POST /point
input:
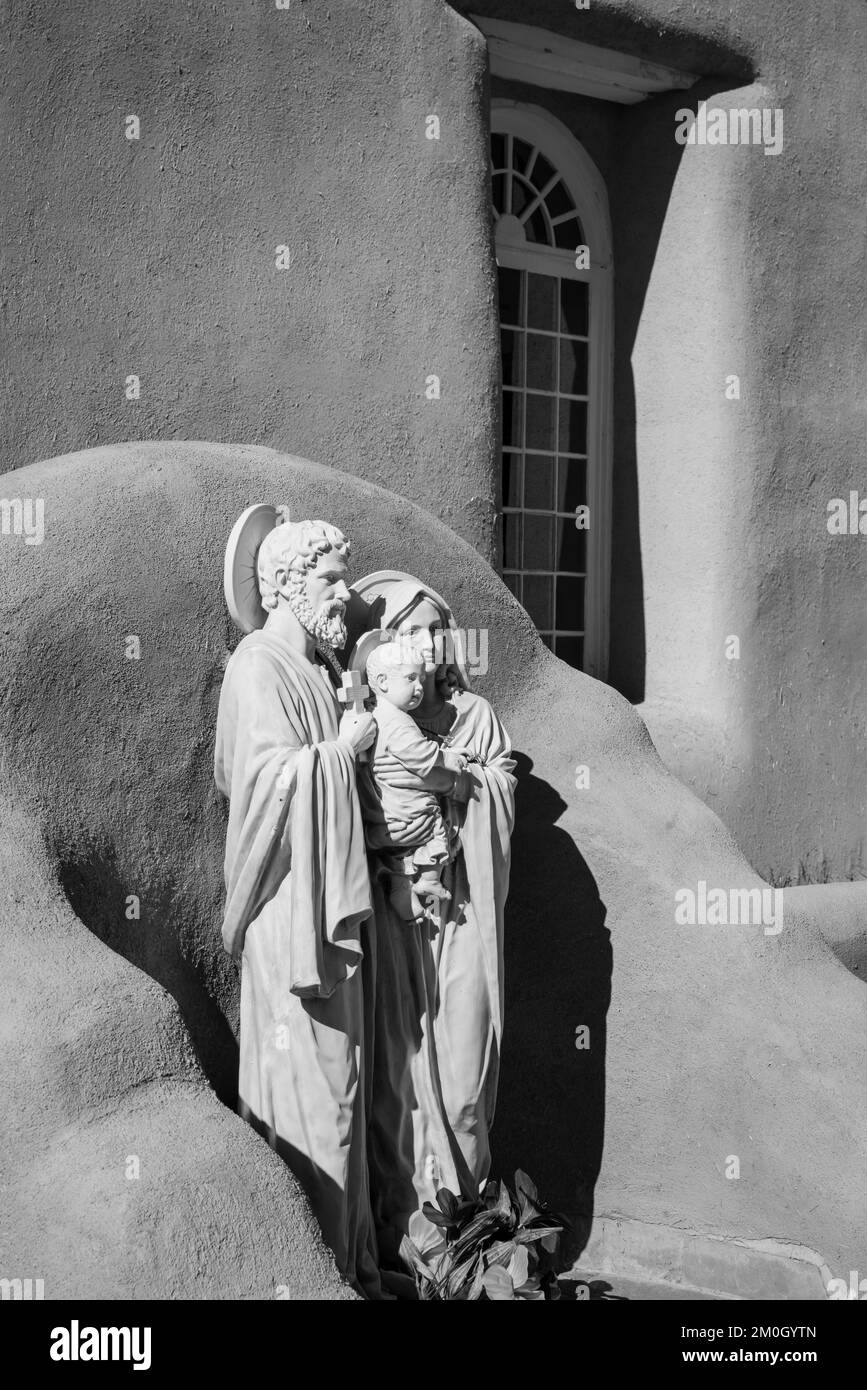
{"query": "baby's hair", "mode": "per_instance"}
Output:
(392, 656)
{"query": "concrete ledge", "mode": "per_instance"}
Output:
(727, 1267)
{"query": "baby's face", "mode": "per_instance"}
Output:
(402, 686)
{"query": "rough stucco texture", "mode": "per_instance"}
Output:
(719, 1040)
(260, 127)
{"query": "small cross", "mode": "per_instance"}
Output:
(353, 692)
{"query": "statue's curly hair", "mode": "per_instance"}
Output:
(391, 655)
(295, 546)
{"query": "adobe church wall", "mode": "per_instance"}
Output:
(260, 127)
(732, 493)
(720, 501)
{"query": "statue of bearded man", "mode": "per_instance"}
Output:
(297, 887)
(305, 563)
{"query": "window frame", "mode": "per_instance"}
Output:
(586, 186)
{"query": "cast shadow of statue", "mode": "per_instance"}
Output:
(550, 1115)
(152, 940)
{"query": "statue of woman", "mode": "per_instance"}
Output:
(434, 988)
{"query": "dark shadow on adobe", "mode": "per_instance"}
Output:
(550, 1117)
(152, 942)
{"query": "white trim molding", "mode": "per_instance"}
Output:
(587, 188)
(525, 53)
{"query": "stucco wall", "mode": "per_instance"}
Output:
(260, 127)
(729, 261)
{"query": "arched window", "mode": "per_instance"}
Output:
(556, 340)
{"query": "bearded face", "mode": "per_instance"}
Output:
(325, 622)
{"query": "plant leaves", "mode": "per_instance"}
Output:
(448, 1203)
(477, 1286)
(424, 1277)
(497, 1284)
(524, 1186)
(504, 1203)
(529, 1294)
(529, 1235)
(437, 1218)
(500, 1253)
(519, 1267)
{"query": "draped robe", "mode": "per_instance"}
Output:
(437, 1009)
(297, 894)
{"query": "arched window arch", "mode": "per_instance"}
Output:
(556, 324)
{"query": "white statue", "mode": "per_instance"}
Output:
(435, 986)
(297, 887)
(341, 949)
(404, 787)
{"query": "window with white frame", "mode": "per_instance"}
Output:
(556, 341)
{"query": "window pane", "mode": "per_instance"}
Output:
(573, 427)
(570, 603)
(573, 306)
(538, 542)
(573, 367)
(541, 370)
(541, 421)
(541, 302)
(539, 479)
(498, 192)
(498, 151)
(511, 480)
(510, 295)
(511, 542)
(571, 650)
(572, 549)
(521, 152)
(538, 599)
(543, 172)
(537, 228)
(522, 196)
(569, 235)
(511, 349)
(572, 485)
(558, 200)
(513, 403)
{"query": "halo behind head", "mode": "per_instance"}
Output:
(240, 582)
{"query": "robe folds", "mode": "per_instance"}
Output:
(436, 998)
(297, 900)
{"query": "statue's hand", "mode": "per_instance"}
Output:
(357, 729)
(465, 787)
(455, 759)
(448, 680)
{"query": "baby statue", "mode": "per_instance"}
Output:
(401, 786)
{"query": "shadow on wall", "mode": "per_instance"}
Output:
(153, 942)
(551, 1108)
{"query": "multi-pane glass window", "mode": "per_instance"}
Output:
(544, 319)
